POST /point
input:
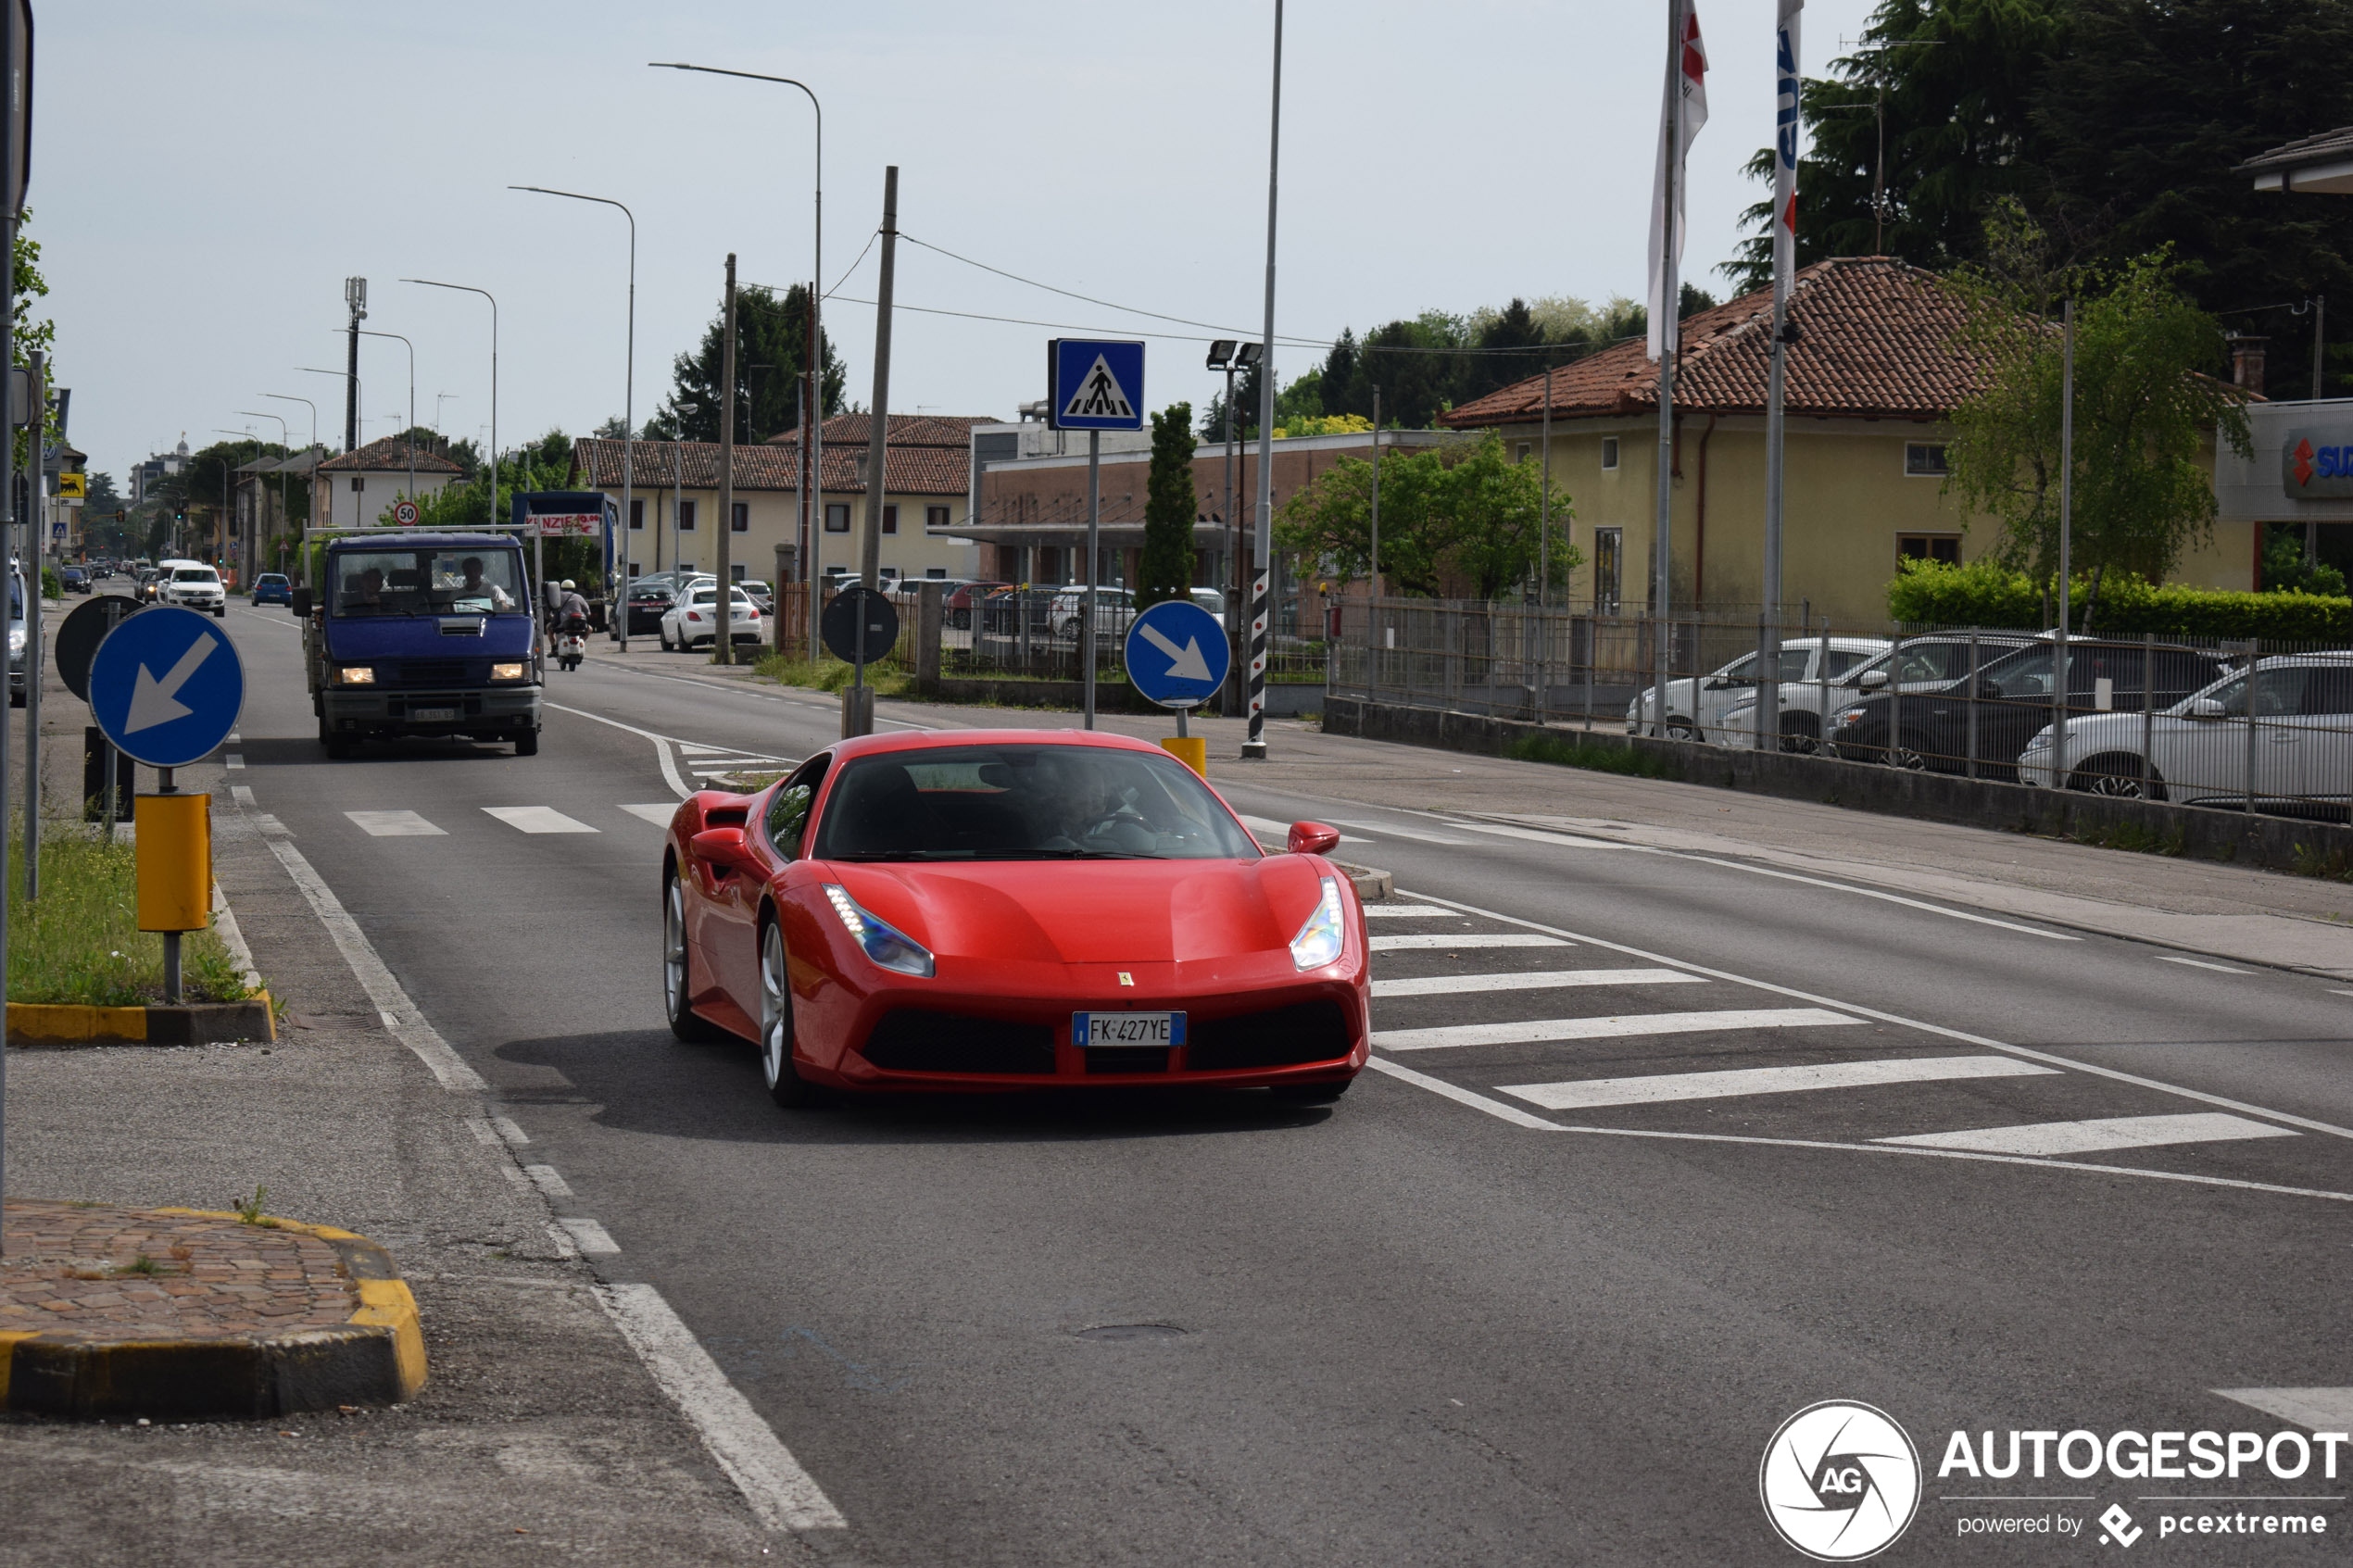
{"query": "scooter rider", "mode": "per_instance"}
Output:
(568, 606)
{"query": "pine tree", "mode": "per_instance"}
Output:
(1166, 571)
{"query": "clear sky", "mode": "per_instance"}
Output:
(207, 172)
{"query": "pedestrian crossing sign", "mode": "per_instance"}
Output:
(1093, 383)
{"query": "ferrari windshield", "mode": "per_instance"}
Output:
(1025, 803)
(425, 582)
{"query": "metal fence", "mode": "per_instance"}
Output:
(2261, 726)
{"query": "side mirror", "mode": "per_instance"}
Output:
(723, 848)
(301, 604)
(1872, 679)
(2206, 708)
(1312, 838)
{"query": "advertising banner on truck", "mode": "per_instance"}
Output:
(578, 514)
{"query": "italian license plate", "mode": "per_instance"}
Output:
(432, 715)
(1126, 1029)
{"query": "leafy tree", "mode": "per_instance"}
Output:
(542, 464)
(2144, 400)
(30, 336)
(1166, 569)
(2286, 572)
(772, 356)
(1465, 511)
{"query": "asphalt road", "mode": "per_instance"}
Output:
(1539, 1291)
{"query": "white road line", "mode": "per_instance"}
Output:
(1537, 836)
(687, 748)
(224, 925)
(2025, 1053)
(1409, 942)
(661, 743)
(548, 1179)
(2108, 1132)
(1406, 911)
(2323, 1410)
(591, 1238)
(1456, 1092)
(1265, 827)
(1541, 979)
(1392, 829)
(232, 760)
(2201, 963)
(658, 814)
(537, 818)
(242, 794)
(1660, 1087)
(506, 1128)
(408, 1025)
(395, 825)
(781, 1493)
(1613, 1026)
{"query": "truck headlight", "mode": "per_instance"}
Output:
(1320, 940)
(505, 671)
(356, 676)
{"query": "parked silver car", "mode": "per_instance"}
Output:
(1702, 707)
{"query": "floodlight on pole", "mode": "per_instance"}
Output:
(1221, 353)
(366, 332)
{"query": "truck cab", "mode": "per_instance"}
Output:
(415, 634)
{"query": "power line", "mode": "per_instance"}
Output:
(1108, 304)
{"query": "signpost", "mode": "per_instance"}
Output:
(77, 639)
(859, 627)
(1093, 384)
(1177, 657)
(166, 687)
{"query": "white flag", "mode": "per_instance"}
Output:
(1686, 103)
(1785, 147)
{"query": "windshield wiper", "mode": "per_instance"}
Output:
(902, 855)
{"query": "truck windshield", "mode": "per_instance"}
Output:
(426, 581)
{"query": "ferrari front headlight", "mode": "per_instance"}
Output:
(1320, 940)
(882, 942)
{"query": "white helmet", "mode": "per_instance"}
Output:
(569, 585)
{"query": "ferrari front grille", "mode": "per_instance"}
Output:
(919, 1040)
(1287, 1037)
(1127, 1059)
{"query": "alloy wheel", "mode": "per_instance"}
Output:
(775, 1018)
(673, 950)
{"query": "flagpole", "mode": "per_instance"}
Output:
(1663, 328)
(1769, 688)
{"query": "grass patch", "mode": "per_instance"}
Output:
(831, 674)
(2135, 839)
(79, 941)
(1593, 756)
(2330, 865)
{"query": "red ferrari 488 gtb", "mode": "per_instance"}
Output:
(986, 910)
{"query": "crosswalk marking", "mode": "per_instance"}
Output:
(1541, 979)
(395, 825)
(1589, 1093)
(1453, 940)
(1614, 1026)
(687, 748)
(1266, 827)
(1401, 911)
(2323, 1410)
(2086, 1137)
(658, 813)
(537, 818)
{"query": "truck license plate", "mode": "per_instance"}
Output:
(1126, 1029)
(432, 715)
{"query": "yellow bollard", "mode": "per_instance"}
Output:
(175, 861)
(1191, 750)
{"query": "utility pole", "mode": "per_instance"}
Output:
(355, 297)
(1669, 341)
(1262, 545)
(2066, 528)
(723, 647)
(1785, 89)
(858, 699)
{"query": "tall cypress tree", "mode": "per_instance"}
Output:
(1166, 571)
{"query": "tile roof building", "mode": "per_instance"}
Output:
(356, 489)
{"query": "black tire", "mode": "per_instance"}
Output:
(1309, 1094)
(2116, 776)
(1906, 754)
(221, 612)
(527, 744)
(1681, 729)
(785, 1086)
(676, 960)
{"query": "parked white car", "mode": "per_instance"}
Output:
(1115, 609)
(2199, 750)
(692, 620)
(1702, 708)
(192, 585)
(1920, 664)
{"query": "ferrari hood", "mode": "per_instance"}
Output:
(1093, 911)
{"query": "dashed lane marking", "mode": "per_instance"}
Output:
(591, 1238)
(1409, 911)
(1391, 830)
(2102, 1132)
(2201, 963)
(1614, 1026)
(1588, 1094)
(1409, 942)
(537, 818)
(395, 825)
(1539, 980)
(659, 813)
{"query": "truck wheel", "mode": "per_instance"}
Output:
(527, 744)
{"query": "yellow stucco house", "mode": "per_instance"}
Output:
(1870, 381)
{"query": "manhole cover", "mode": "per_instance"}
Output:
(1133, 1331)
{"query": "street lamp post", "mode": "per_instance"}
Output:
(329, 522)
(285, 438)
(1261, 617)
(814, 450)
(490, 514)
(620, 592)
(366, 332)
(312, 454)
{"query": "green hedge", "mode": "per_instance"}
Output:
(1984, 594)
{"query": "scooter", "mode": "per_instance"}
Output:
(572, 641)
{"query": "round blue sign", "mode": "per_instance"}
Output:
(167, 687)
(1176, 654)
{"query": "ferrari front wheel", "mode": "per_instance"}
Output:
(684, 1023)
(785, 1086)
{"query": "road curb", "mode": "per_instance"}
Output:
(1371, 886)
(56, 1026)
(377, 1358)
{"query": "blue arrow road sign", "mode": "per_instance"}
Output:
(1095, 384)
(1176, 654)
(167, 687)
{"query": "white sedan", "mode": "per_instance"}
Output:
(692, 620)
(1698, 709)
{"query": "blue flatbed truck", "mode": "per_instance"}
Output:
(408, 633)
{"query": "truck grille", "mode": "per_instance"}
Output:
(432, 671)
